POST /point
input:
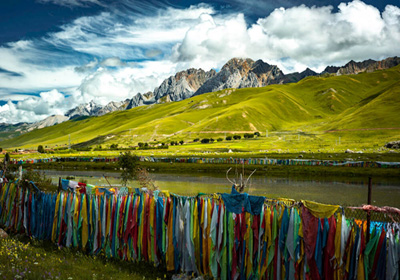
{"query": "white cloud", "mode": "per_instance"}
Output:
(72, 3)
(112, 62)
(107, 85)
(35, 108)
(308, 36)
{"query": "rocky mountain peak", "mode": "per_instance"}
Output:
(182, 85)
(243, 73)
(241, 64)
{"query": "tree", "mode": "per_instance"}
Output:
(114, 146)
(1, 150)
(196, 140)
(236, 137)
(7, 158)
(228, 138)
(219, 140)
(140, 144)
(127, 162)
(40, 149)
(205, 140)
(257, 134)
(181, 142)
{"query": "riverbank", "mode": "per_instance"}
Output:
(218, 168)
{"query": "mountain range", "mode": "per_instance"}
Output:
(359, 107)
(235, 74)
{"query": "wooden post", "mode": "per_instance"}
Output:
(59, 184)
(368, 212)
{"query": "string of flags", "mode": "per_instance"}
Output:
(228, 160)
(226, 236)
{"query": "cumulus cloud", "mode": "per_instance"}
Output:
(35, 108)
(107, 85)
(306, 36)
(102, 86)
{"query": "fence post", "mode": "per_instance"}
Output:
(59, 184)
(368, 212)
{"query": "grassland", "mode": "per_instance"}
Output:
(24, 258)
(318, 113)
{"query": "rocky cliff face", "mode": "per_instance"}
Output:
(93, 109)
(49, 121)
(112, 106)
(243, 73)
(183, 85)
(141, 99)
(88, 109)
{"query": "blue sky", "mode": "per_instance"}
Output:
(57, 54)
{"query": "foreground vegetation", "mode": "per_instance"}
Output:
(24, 258)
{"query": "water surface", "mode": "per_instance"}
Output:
(333, 190)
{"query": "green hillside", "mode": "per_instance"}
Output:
(313, 105)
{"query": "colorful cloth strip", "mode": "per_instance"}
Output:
(229, 236)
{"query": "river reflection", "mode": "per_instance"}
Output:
(333, 190)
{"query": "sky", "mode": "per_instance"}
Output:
(57, 54)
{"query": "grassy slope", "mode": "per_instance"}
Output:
(367, 100)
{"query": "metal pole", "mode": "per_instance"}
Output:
(368, 212)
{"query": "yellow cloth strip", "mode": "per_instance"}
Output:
(320, 210)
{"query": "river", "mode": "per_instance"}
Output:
(332, 190)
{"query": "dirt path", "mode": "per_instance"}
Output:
(362, 129)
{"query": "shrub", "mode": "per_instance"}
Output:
(228, 138)
(248, 135)
(40, 149)
(205, 140)
(219, 140)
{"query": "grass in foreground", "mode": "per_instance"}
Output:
(23, 258)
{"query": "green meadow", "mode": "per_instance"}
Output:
(317, 114)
